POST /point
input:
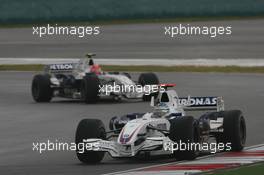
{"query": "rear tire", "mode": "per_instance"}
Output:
(184, 129)
(148, 79)
(90, 128)
(234, 130)
(40, 88)
(90, 88)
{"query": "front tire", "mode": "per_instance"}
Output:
(90, 128)
(40, 88)
(148, 79)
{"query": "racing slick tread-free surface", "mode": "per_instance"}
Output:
(234, 129)
(184, 130)
(90, 88)
(89, 128)
(41, 90)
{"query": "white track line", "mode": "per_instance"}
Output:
(151, 166)
(163, 62)
(254, 147)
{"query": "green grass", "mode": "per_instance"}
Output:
(150, 68)
(185, 69)
(256, 169)
(24, 67)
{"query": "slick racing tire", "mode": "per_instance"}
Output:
(89, 128)
(234, 130)
(148, 79)
(90, 88)
(184, 130)
(40, 88)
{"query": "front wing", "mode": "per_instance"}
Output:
(127, 150)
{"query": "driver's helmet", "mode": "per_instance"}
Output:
(91, 62)
(94, 68)
(161, 109)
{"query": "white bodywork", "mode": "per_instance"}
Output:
(80, 69)
(119, 80)
(125, 145)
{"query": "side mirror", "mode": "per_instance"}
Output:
(152, 101)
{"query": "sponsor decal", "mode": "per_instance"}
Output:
(61, 67)
(126, 135)
(198, 101)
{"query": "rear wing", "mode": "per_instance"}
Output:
(59, 68)
(202, 103)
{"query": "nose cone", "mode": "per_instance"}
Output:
(129, 133)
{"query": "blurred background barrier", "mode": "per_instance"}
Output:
(28, 11)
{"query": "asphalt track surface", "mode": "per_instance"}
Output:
(23, 121)
(139, 41)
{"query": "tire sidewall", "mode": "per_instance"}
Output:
(40, 88)
(90, 128)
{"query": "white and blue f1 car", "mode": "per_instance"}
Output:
(154, 132)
